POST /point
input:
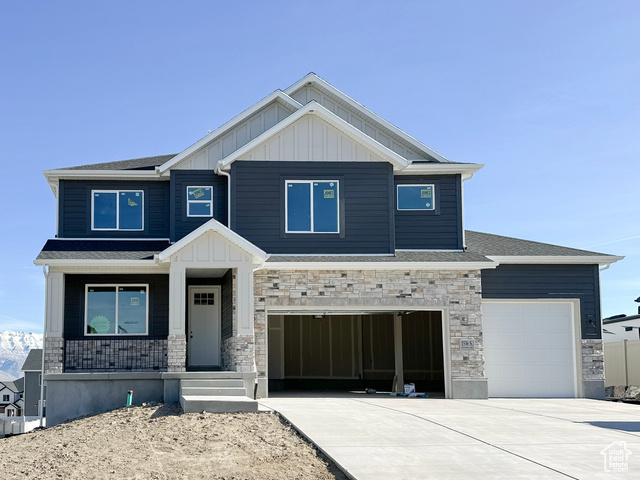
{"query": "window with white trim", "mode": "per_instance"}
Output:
(416, 197)
(117, 210)
(5, 398)
(200, 201)
(116, 309)
(312, 206)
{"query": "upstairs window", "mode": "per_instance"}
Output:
(117, 209)
(5, 398)
(312, 206)
(416, 197)
(116, 309)
(200, 201)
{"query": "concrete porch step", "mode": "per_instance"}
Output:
(217, 404)
(213, 382)
(214, 390)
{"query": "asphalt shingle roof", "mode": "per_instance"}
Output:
(145, 163)
(479, 246)
(102, 249)
(33, 360)
(489, 244)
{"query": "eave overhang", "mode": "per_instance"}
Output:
(555, 260)
(373, 265)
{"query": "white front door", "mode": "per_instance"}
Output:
(204, 326)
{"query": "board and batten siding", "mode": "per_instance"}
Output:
(363, 123)
(439, 229)
(181, 224)
(258, 206)
(74, 303)
(75, 209)
(311, 138)
(549, 282)
(208, 156)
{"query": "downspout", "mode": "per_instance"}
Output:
(44, 338)
(219, 171)
(464, 233)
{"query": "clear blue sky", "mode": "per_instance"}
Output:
(546, 94)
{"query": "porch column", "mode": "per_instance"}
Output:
(397, 343)
(244, 305)
(54, 321)
(177, 339)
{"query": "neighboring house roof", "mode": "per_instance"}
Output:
(11, 385)
(626, 318)
(145, 163)
(33, 362)
(60, 249)
(515, 250)
(19, 383)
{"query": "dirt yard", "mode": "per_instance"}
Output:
(159, 442)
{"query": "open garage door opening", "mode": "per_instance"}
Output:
(354, 352)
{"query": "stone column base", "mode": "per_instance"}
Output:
(177, 353)
(593, 389)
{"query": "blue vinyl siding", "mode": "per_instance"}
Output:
(365, 204)
(181, 224)
(75, 209)
(549, 282)
(74, 303)
(438, 229)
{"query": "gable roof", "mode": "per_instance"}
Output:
(311, 79)
(515, 250)
(11, 385)
(314, 108)
(33, 362)
(278, 95)
(214, 226)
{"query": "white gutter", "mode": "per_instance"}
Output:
(557, 260)
(464, 232)
(219, 171)
(101, 174)
(378, 265)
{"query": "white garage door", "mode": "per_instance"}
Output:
(529, 349)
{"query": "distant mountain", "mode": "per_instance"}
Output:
(14, 348)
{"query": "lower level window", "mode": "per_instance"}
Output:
(117, 309)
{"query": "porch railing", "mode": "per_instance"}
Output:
(116, 355)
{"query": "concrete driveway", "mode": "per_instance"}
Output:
(379, 437)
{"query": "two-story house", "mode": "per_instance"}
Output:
(11, 403)
(306, 243)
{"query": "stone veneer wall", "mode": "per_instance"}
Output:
(177, 353)
(53, 354)
(459, 291)
(238, 354)
(115, 355)
(592, 359)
